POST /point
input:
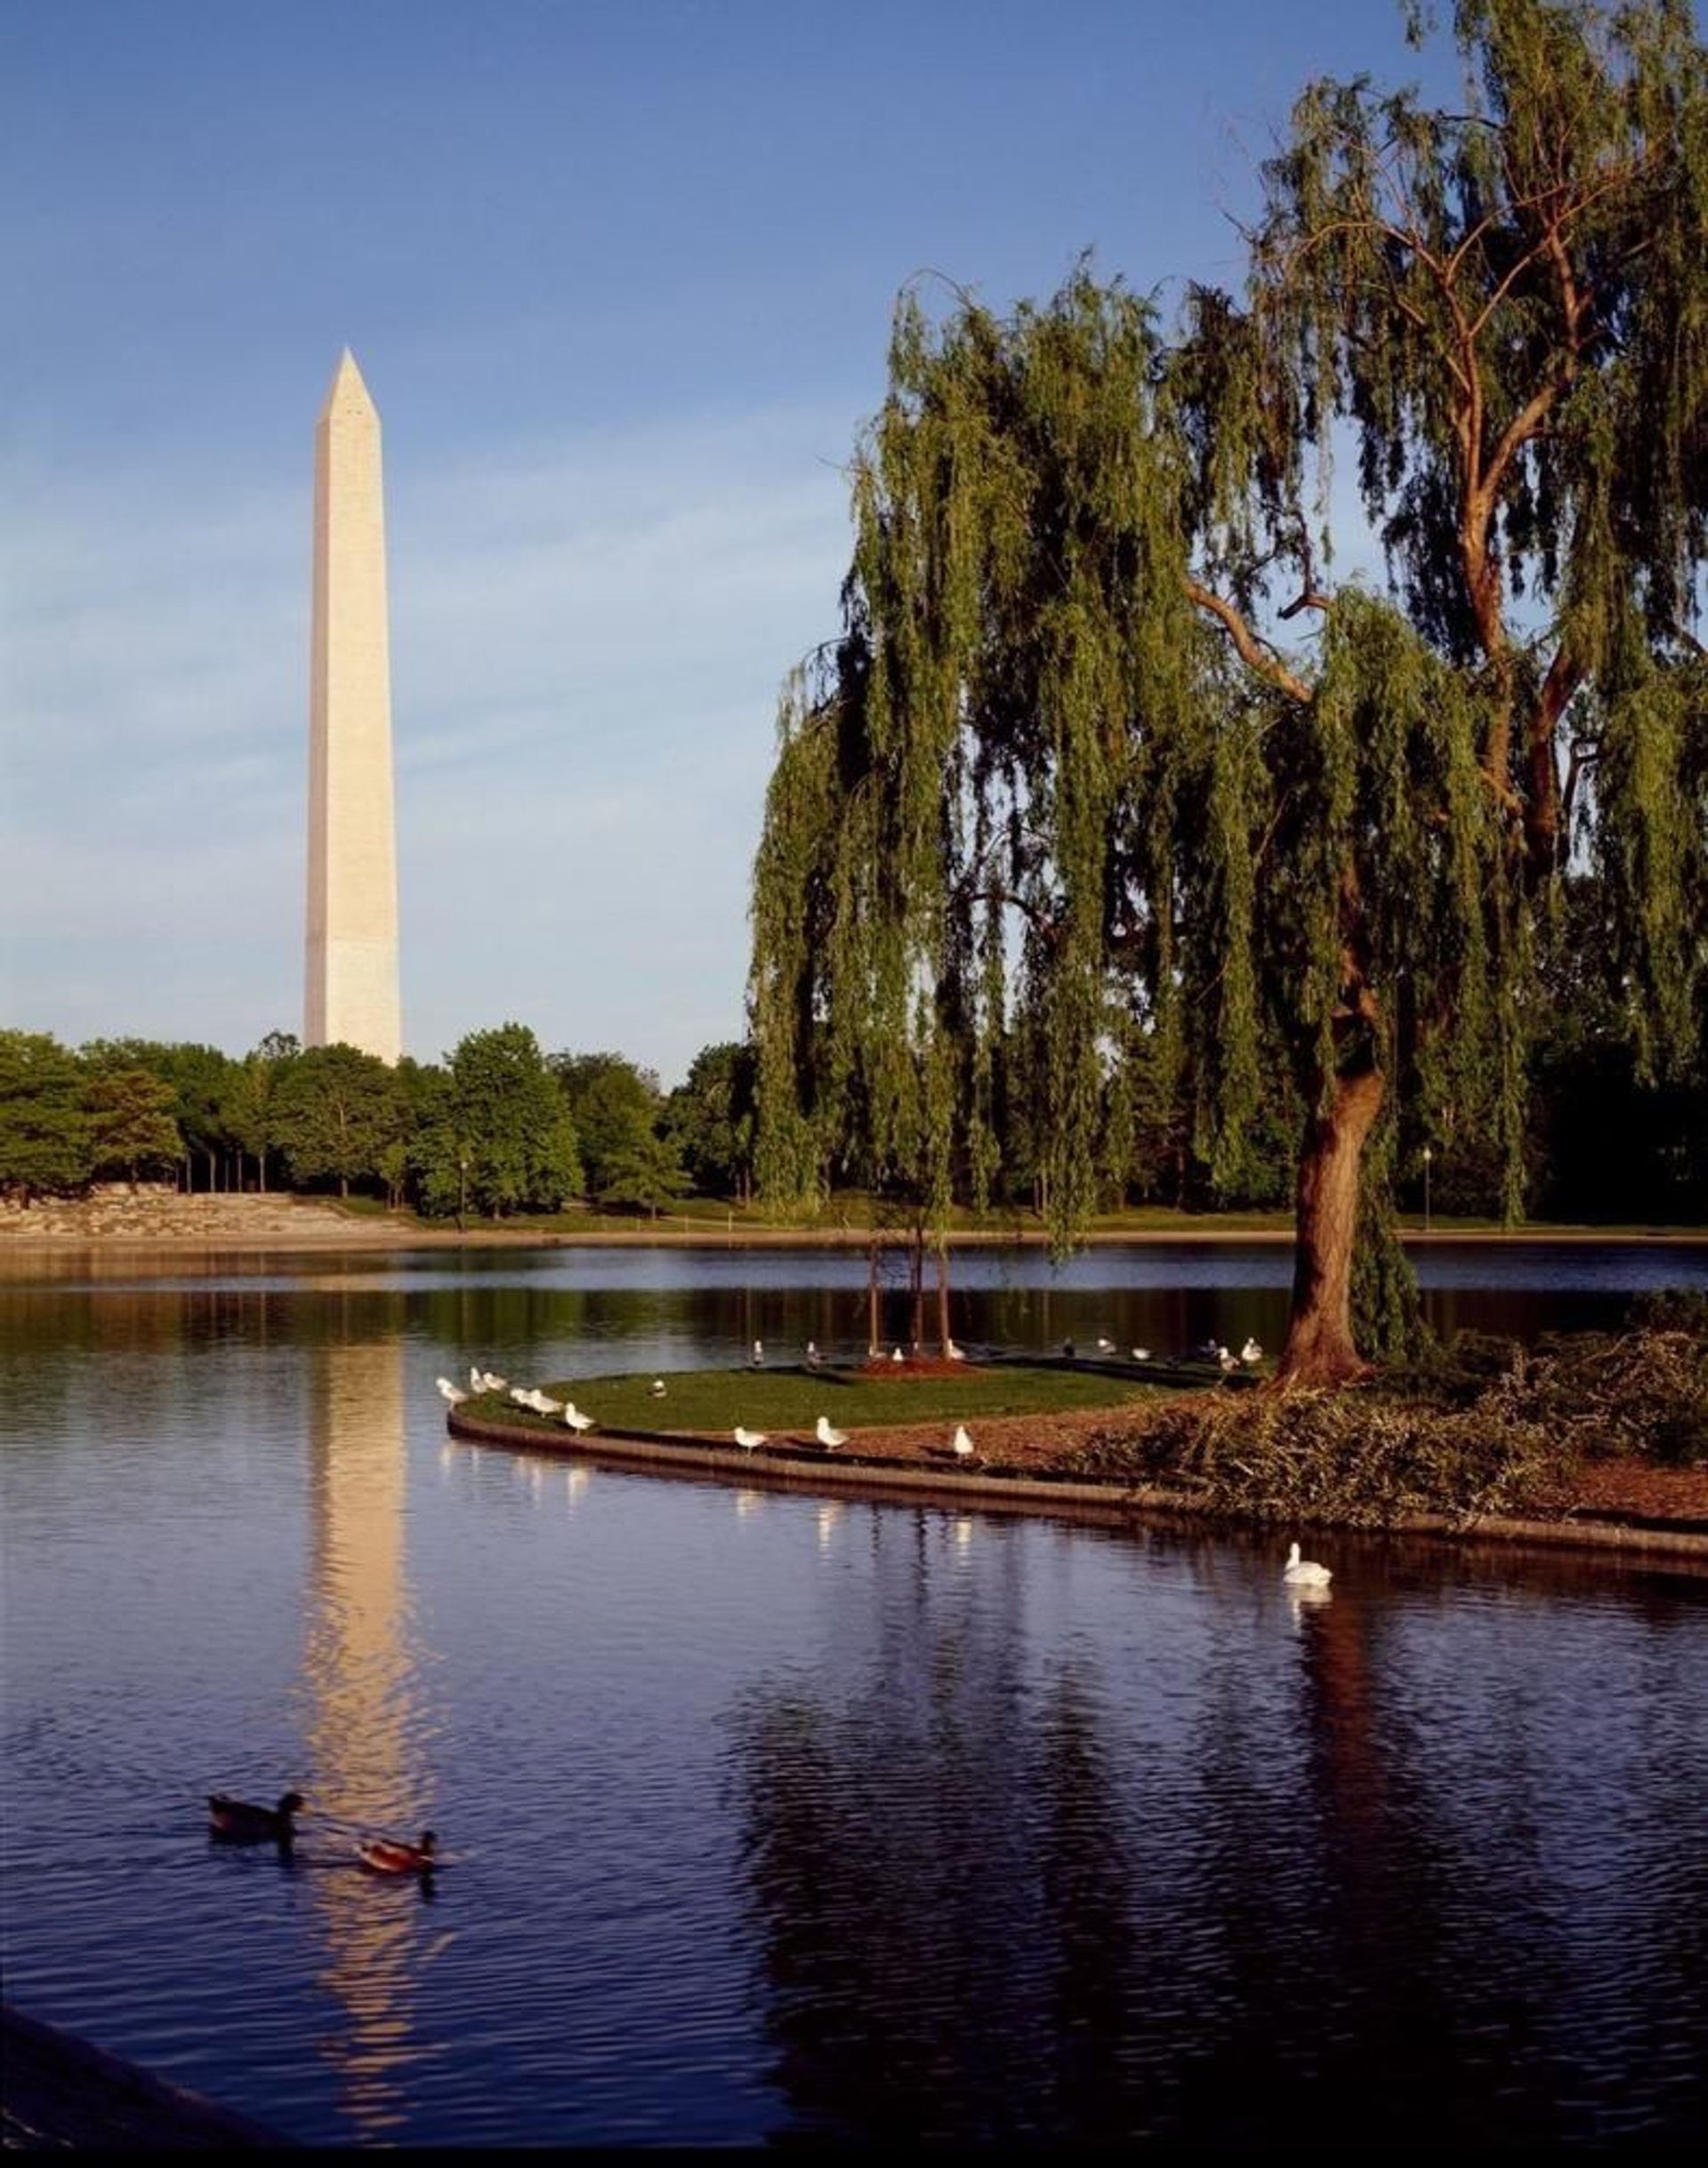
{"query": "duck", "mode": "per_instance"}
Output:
(391, 1856)
(828, 1435)
(239, 1817)
(1304, 1573)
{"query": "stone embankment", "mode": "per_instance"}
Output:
(114, 1212)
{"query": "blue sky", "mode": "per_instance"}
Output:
(618, 274)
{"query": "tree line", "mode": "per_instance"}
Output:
(499, 1127)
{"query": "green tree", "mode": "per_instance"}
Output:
(495, 1136)
(130, 1124)
(45, 1142)
(338, 1109)
(646, 1171)
(711, 1116)
(249, 1112)
(614, 1105)
(1062, 766)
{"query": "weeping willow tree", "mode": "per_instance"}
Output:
(1107, 761)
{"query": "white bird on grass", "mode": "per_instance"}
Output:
(827, 1435)
(813, 1356)
(748, 1439)
(477, 1379)
(759, 1354)
(523, 1395)
(490, 1381)
(1251, 1352)
(575, 1420)
(1105, 1347)
(1227, 1361)
(898, 1356)
(962, 1444)
(656, 1389)
(955, 1354)
(545, 1404)
(1304, 1573)
(453, 1394)
(1142, 1355)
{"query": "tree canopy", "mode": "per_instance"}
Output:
(1108, 771)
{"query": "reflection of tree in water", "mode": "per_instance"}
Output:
(936, 1872)
(1310, 1877)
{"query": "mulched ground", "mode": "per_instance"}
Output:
(1044, 1443)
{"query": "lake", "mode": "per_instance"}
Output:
(771, 1818)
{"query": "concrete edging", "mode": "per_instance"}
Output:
(692, 1456)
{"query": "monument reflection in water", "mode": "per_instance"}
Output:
(364, 1723)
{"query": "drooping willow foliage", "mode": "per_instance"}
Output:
(1104, 770)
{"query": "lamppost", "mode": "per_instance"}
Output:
(462, 1189)
(1427, 1155)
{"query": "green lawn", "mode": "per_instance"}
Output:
(789, 1402)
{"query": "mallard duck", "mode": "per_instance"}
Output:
(391, 1856)
(237, 1817)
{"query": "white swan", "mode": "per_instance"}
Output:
(961, 1443)
(748, 1439)
(1304, 1573)
(827, 1435)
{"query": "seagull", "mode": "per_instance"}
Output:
(656, 1389)
(575, 1420)
(1142, 1355)
(452, 1393)
(748, 1439)
(898, 1356)
(490, 1381)
(477, 1379)
(1105, 1347)
(962, 1444)
(759, 1354)
(1304, 1573)
(1251, 1352)
(828, 1435)
(955, 1354)
(813, 1356)
(545, 1404)
(1227, 1361)
(523, 1395)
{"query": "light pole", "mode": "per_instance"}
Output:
(1426, 1188)
(462, 1189)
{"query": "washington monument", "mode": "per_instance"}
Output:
(352, 945)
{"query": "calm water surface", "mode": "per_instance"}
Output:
(770, 1817)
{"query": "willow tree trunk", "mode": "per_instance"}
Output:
(1320, 1349)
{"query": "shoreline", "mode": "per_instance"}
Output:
(216, 1225)
(903, 1475)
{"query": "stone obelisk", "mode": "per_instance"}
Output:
(352, 947)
